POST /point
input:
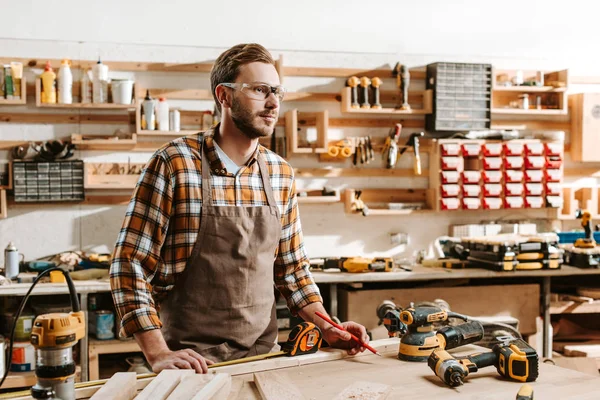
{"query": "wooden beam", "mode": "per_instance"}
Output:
(354, 172)
(121, 386)
(276, 386)
(164, 383)
(3, 206)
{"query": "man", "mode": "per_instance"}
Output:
(212, 224)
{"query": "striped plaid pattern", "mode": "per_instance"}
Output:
(163, 217)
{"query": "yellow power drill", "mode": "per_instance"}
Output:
(513, 358)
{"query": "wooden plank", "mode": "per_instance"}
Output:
(79, 118)
(276, 386)
(164, 384)
(3, 205)
(189, 386)
(582, 364)
(582, 350)
(365, 390)
(121, 386)
(218, 388)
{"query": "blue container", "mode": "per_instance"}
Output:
(103, 325)
(571, 237)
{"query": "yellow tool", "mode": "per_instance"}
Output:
(364, 84)
(513, 358)
(341, 148)
(360, 264)
(586, 222)
(584, 253)
(53, 336)
(525, 393)
(376, 83)
(353, 82)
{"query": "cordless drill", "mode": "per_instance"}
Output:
(513, 358)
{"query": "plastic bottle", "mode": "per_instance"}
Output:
(86, 86)
(148, 106)
(48, 85)
(162, 114)
(100, 83)
(65, 83)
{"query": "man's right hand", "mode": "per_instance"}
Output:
(160, 357)
(180, 359)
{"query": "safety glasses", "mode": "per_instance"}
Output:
(257, 91)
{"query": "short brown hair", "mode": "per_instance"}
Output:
(227, 66)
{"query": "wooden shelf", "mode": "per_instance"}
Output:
(21, 101)
(357, 172)
(111, 175)
(167, 133)
(574, 307)
(85, 142)
(19, 379)
(427, 96)
(529, 89)
(552, 95)
(531, 111)
(315, 197)
(375, 200)
(78, 106)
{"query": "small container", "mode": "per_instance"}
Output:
(471, 177)
(492, 176)
(174, 121)
(450, 149)
(513, 202)
(524, 101)
(450, 176)
(86, 87)
(514, 189)
(450, 190)
(451, 163)
(492, 190)
(11, 261)
(450, 203)
(122, 91)
(471, 190)
(23, 357)
(471, 203)
(493, 163)
(553, 175)
(162, 114)
(492, 149)
(534, 175)
(102, 325)
(534, 202)
(492, 203)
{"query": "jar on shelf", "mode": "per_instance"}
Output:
(524, 101)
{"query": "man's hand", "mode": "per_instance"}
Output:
(342, 340)
(181, 359)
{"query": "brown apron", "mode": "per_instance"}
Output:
(223, 303)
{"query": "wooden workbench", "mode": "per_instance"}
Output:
(415, 380)
(330, 371)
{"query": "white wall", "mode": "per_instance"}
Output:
(524, 34)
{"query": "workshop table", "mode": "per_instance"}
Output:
(332, 280)
(415, 380)
(421, 273)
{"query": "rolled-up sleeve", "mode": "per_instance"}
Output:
(137, 255)
(292, 275)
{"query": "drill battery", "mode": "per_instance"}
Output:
(514, 252)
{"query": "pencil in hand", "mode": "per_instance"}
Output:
(356, 339)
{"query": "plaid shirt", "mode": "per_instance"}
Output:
(162, 221)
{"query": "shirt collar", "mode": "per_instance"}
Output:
(217, 166)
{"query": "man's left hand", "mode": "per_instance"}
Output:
(342, 340)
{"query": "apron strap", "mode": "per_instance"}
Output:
(262, 167)
(264, 174)
(206, 181)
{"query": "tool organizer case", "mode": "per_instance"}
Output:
(514, 252)
(461, 96)
(48, 181)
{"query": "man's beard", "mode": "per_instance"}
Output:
(244, 121)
